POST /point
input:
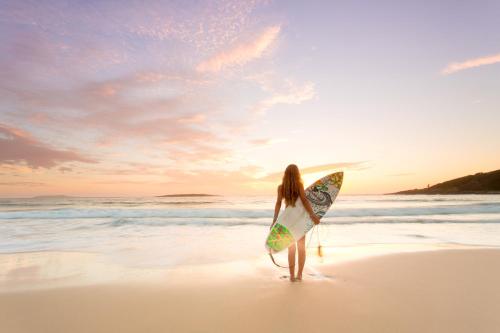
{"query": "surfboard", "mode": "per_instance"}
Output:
(294, 222)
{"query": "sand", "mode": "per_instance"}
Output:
(435, 291)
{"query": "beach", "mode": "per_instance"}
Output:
(427, 291)
(196, 264)
(158, 159)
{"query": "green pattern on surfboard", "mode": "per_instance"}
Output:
(280, 238)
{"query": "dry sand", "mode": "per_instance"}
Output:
(436, 291)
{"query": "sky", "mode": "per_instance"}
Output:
(139, 98)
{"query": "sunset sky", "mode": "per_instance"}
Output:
(132, 98)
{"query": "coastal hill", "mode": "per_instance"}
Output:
(186, 195)
(480, 183)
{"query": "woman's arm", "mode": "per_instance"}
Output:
(307, 205)
(277, 207)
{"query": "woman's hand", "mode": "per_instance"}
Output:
(315, 219)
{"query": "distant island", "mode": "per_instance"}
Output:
(480, 183)
(187, 195)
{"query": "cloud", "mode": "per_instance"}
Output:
(122, 111)
(403, 174)
(28, 184)
(294, 94)
(242, 53)
(126, 169)
(124, 181)
(123, 95)
(210, 181)
(17, 146)
(193, 119)
(282, 90)
(471, 63)
(206, 25)
(46, 81)
(276, 176)
(266, 141)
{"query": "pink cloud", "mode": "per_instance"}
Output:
(209, 25)
(276, 176)
(293, 93)
(52, 78)
(193, 119)
(199, 152)
(106, 108)
(471, 63)
(204, 25)
(266, 141)
(242, 53)
(210, 181)
(17, 146)
(28, 184)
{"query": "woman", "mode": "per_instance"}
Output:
(291, 189)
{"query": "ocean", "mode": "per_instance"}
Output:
(157, 232)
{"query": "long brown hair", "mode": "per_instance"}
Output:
(291, 184)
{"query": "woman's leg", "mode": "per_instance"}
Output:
(301, 244)
(291, 261)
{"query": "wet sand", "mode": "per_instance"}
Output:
(433, 291)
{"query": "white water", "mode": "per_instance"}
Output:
(153, 232)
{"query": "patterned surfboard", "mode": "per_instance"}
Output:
(294, 222)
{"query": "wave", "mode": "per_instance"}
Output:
(133, 213)
(264, 222)
(90, 212)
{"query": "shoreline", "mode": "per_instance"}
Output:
(39, 270)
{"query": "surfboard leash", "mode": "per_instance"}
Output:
(320, 248)
(274, 262)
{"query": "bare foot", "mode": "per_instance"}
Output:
(298, 278)
(292, 279)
